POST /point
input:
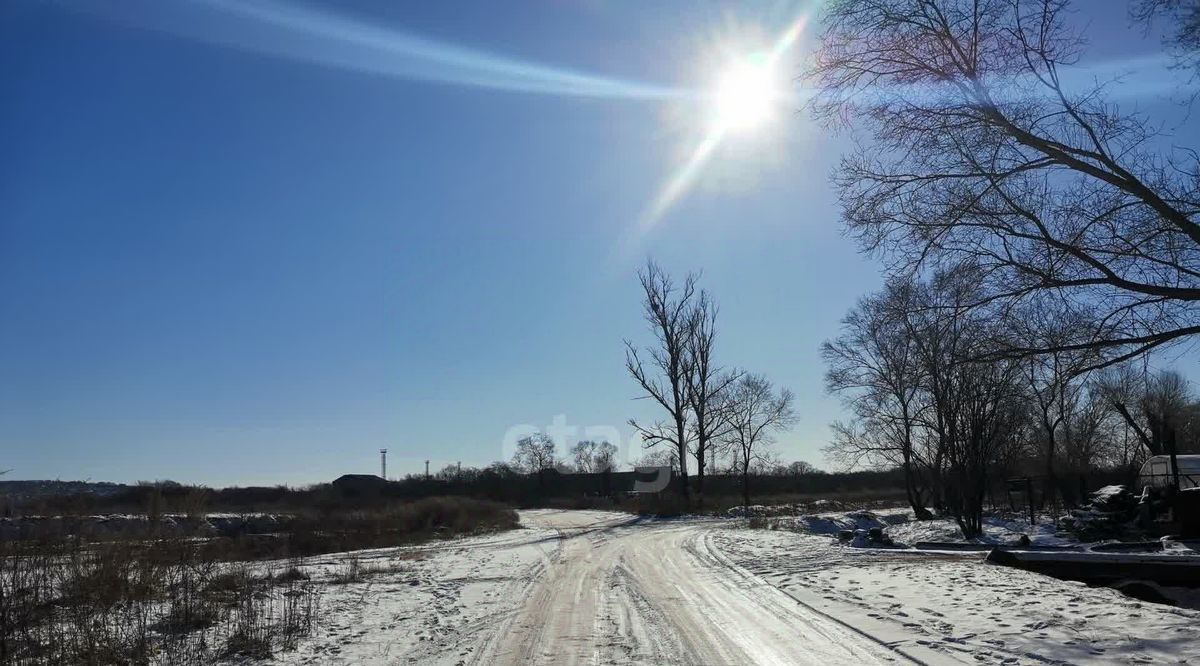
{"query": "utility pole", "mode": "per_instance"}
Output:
(383, 463)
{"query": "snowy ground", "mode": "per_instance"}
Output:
(996, 530)
(600, 588)
(956, 608)
(899, 524)
(436, 603)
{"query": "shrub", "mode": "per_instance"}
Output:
(173, 599)
(68, 601)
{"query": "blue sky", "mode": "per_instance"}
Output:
(232, 253)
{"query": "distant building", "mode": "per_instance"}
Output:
(359, 484)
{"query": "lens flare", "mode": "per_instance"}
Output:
(334, 38)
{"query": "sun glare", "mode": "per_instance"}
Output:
(745, 95)
(749, 92)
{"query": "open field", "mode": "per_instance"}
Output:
(592, 587)
(153, 589)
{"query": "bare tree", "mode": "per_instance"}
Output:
(707, 385)
(980, 153)
(1169, 409)
(1091, 435)
(604, 459)
(908, 365)
(659, 458)
(582, 455)
(1182, 18)
(1159, 408)
(592, 457)
(1055, 388)
(800, 468)
(756, 412)
(663, 373)
(873, 365)
(984, 417)
(453, 473)
(535, 454)
(975, 410)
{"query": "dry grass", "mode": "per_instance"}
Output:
(178, 600)
(135, 602)
(396, 525)
(354, 570)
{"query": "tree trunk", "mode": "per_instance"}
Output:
(746, 486)
(701, 458)
(914, 495)
(1051, 485)
(1148, 442)
(910, 483)
(680, 432)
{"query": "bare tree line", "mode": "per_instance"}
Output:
(536, 453)
(983, 148)
(1039, 241)
(709, 411)
(921, 398)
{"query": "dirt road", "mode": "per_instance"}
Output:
(617, 590)
(591, 587)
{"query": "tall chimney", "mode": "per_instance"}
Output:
(383, 463)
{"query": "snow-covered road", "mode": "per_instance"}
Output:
(588, 587)
(620, 591)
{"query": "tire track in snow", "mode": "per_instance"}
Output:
(655, 592)
(711, 551)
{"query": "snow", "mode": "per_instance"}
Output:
(1108, 492)
(1184, 548)
(821, 506)
(430, 604)
(954, 609)
(996, 530)
(598, 587)
(832, 523)
(901, 527)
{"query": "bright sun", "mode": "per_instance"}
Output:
(750, 92)
(745, 95)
